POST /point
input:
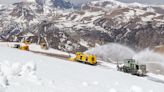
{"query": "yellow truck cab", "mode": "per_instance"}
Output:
(86, 58)
(26, 48)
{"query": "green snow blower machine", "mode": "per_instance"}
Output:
(132, 67)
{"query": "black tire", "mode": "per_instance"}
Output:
(125, 70)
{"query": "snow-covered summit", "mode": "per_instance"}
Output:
(108, 3)
(136, 4)
(115, 4)
(30, 1)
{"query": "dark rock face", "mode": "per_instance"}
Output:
(142, 38)
(21, 9)
(139, 38)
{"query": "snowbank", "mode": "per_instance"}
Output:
(37, 48)
(8, 70)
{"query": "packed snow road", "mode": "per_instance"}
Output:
(23, 71)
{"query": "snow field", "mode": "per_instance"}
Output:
(28, 72)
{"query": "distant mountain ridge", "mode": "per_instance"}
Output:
(95, 23)
(56, 3)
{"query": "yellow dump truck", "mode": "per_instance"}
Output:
(85, 58)
(26, 48)
(21, 47)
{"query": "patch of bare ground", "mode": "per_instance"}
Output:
(159, 49)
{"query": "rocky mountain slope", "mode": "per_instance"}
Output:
(96, 23)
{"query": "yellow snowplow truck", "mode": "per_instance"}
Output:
(85, 58)
(26, 48)
(21, 47)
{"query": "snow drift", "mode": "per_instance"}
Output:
(8, 70)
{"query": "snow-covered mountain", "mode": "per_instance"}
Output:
(30, 0)
(96, 23)
(64, 4)
(61, 4)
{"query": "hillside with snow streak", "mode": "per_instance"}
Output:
(23, 71)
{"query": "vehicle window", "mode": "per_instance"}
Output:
(93, 59)
(137, 67)
(81, 57)
(86, 58)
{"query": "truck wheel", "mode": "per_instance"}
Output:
(125, 70)
(139, 73)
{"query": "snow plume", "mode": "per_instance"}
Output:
(149, 56)
(112, 51)
(115, 52)
(153, 60)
